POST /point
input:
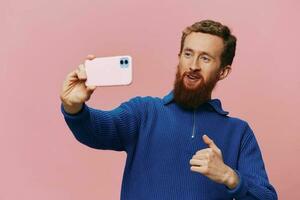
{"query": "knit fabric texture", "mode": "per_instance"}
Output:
(160, 137)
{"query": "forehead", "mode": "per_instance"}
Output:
(204, 42)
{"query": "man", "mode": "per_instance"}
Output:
(183, 146)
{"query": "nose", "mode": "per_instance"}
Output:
(194, 65)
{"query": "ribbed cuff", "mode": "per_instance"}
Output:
(241, 189)
(82, 113)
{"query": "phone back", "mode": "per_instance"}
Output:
(109, 71)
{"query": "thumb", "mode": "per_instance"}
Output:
(209, 142)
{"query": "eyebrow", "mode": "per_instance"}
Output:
(202, 52)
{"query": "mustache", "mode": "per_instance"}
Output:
(193, 74)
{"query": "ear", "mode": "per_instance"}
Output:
(224, 72)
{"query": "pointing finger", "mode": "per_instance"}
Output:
(210, 142)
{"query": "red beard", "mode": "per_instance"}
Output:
(192, 98)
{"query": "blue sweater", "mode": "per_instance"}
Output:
(160, 138)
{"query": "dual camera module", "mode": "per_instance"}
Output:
(124, 62)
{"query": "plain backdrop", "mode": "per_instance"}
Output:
(41, 41)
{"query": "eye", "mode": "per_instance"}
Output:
(187, 54)
(205, 59)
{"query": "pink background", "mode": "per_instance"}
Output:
(41, 41)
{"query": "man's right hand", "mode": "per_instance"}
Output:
(74, 91)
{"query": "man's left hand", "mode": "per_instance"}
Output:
(209, 162)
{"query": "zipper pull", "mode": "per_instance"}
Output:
(193, 133)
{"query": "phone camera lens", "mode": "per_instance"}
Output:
(121, 62)
(126, 62)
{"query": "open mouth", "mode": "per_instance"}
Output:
(193, 77)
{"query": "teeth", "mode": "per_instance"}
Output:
(192, 77)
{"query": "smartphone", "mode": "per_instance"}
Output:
(109, 71)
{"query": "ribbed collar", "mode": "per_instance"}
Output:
(214, 103)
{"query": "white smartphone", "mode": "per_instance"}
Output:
(109, 71)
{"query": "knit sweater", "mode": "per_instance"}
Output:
(160, 137)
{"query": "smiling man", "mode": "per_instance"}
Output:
(200, 66)
(183, 146)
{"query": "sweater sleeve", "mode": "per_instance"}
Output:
(116, 129)
(254, 183)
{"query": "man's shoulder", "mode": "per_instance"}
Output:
(237, 121)
(146, 99)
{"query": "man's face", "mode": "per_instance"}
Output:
(198, 69)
